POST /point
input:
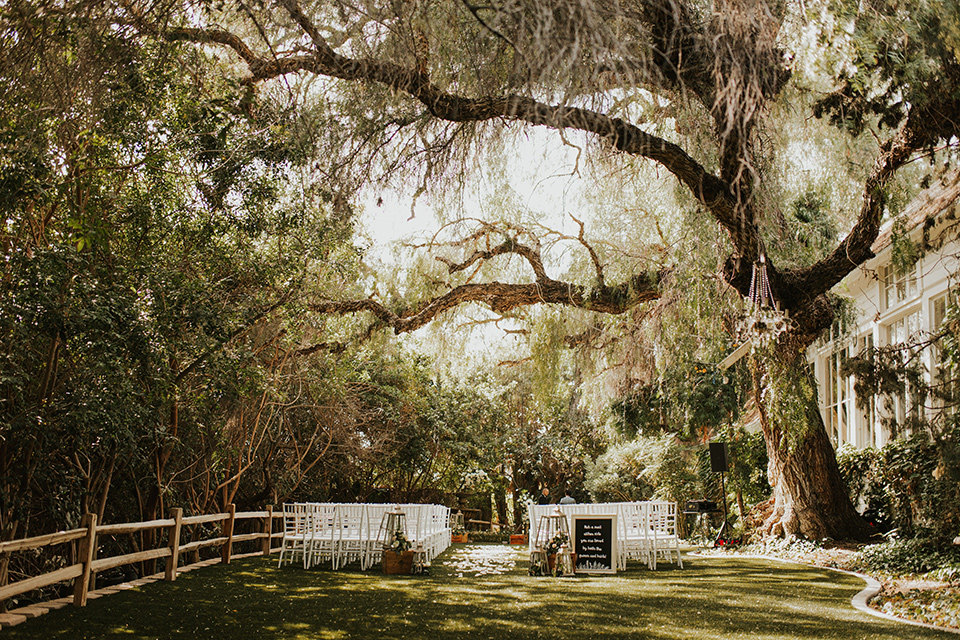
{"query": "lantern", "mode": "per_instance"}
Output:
(550, 527)
(392, 523)
(551, 551)
(420, 562)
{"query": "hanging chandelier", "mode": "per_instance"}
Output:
(764, 321)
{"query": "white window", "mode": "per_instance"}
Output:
(897, 287)
(944, 377)
(838, 398)
(900, 332)
(868, 429)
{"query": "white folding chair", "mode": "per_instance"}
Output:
(639, 533)
(350, 532)
(443, 538)
(663, 523)
(296, 530)
(415, 525)
(429, 534)
(373, 550)
(321, 543)
(623, 538)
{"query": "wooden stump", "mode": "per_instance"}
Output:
(394, 562)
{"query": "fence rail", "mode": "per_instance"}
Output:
(88, 534)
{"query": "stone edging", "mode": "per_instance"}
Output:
(862, 599)
(861, 602)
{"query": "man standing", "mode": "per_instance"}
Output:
(544, 496)
(567, 498)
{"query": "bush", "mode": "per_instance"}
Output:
(858, 467)
(907, 484)
(866, 484)
(618, 473)
(919, 555)
(789, 547)
(748, 452)
(488, 536)
(659, 467)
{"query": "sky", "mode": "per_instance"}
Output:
(540, 183)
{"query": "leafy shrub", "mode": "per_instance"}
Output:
(659, 467)
(862, 471)
(748, 452)
(908, 466)
(919, 555)
(488, 536)
(618, 474)
(906, 483)
(858, 469)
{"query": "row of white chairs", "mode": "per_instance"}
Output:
(646, 531)
(343, 533)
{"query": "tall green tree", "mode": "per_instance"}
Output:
(157, 241)
(683, 84)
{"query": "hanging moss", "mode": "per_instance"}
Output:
(789, 395)
(904, 252)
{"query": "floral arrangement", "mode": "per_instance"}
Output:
(537, 569)
(558, 540)
(475, 481)
(400, 542)
(459, 530)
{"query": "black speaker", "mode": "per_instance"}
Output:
(718, 457)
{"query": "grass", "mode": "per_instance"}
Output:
(931, 597)
(482, 591)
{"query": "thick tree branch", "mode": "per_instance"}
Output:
(710, 190)
(532, 257)
(805, 292)
(922, 128)
(503, 297)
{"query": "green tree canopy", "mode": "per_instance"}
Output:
(706, 96)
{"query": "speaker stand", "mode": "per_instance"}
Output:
(721, 540)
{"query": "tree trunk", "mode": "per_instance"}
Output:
(500, 499)
(810, 498)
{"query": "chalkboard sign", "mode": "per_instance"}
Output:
(595, 543)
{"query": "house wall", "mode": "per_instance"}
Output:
(888, 309)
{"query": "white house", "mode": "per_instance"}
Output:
(889, 308)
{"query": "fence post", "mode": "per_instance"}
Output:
(227, 550)
(268, 531)
(88, 545)
(173, 540)
(4, 576)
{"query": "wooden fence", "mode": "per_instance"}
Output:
(87, 535)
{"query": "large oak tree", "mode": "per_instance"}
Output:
(431, 79)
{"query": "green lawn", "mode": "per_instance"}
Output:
(482, 591)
